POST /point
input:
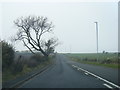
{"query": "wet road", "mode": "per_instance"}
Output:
(66, 74)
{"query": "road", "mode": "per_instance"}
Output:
(67, 74)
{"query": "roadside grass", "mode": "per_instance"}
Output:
(98, 63)
(9, 75)
(106, 60)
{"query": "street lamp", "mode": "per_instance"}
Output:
(96, 23)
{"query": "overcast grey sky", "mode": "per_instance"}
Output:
(74, 24)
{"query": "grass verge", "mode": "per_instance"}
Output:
(8, 75)
(96, 63)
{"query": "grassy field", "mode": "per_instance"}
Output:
(102, 59)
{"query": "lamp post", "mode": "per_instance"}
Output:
(96, 23)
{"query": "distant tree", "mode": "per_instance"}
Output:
(31, 29)
(106, 52)
(50, 45)
(103, 51)
(7, 55)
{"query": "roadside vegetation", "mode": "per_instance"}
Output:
(14, 67)
(100, 59)
(30, 31)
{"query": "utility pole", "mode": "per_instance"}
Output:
(97, 37)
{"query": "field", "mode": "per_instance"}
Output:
(102, 59)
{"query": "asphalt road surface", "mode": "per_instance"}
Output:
(68, 74)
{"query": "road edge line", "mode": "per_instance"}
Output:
(31, 76)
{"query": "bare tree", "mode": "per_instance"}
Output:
(50, 45)
(30, 31)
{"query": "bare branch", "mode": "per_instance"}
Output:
(27, 46)
(38, 25)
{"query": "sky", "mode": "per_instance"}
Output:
(74, 24)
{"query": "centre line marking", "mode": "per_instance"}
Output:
(108, 86)
(86, 73)
(98, 77)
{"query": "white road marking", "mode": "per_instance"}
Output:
(73, 65)
(86, 73)
(108, 86)
(97, 77)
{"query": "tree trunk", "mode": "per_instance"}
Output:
(45, 54)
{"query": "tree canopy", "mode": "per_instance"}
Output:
(30, 31)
